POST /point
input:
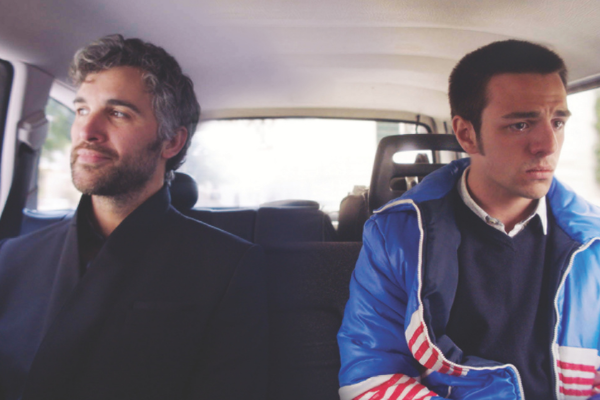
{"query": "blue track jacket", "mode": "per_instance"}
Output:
(392, 340)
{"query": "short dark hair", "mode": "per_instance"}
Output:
(173, 99)
(469, 78)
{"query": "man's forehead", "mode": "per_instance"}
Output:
(116, 77)
(524, 89)
(123, 84)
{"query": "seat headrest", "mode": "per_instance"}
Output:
(184, 191)
(292, 204)
(389, 179)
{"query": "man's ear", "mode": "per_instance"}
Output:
(173, 146)
(465, 134)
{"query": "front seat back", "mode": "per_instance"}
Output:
(389, 179)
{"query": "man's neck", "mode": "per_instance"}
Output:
(109, 211)
(509, 210)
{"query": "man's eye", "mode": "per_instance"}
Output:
(118, 114)
(520, 126)
(559, 124)
(82, 111)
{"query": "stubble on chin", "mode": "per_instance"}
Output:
(119, 178)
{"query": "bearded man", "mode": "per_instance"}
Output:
(130, 299)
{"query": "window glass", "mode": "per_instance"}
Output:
(244, 163)
(56, 191)
(579, 165)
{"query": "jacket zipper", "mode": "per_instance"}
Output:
(420, 278)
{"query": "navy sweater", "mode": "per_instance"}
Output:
(503, 305)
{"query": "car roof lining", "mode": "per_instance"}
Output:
(308, 54)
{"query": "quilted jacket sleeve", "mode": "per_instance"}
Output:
(375, 357)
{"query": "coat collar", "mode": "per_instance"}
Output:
(73, 326)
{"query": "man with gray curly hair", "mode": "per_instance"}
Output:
(129, 299)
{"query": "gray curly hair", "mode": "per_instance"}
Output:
(173, 99)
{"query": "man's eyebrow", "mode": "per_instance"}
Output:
(522, 115)
(113, 102)
(123, 103)
(562, 113)
(534, 114)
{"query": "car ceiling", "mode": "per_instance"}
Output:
(250, 55)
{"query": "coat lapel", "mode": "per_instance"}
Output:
(78, 322)
(66, 277)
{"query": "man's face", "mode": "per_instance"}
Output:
(521, 135)
(115, 145)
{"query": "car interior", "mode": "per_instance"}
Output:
(383, 62)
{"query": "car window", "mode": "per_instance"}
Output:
(579, 164)
(56, 191)
(247, 162)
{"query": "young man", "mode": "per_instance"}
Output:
(130, 299)
(482, 282)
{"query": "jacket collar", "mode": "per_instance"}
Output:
(579, 219)
(145, 216)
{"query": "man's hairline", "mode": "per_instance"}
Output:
(486, 97)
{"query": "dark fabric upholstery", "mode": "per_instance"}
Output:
(34, 220)
(184, 191)
(307, 291)
(292, 203)
(237, 222)
(276, 226)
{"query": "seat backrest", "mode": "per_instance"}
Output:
(390, 180)
(308, 287)
(184, 194)
(184, 191)
(279, 225)
(239, 222)
(34, 219)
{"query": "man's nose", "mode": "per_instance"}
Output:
(544, 140)
(92, 128)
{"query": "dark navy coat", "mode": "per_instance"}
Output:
(170, 308)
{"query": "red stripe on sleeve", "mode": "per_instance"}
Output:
(576, 380)
(381, 389)
(576, 367)
(413, 392)
(422, 349)
(445, 368)
(574, 392)
(415, 336)
(431, 361)
(398, 391)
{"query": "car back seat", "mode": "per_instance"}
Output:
(308, 287)
(239, 222)
(279, 225)
(275, 223)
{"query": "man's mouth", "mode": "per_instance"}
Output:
(86, 155)
(541, 172)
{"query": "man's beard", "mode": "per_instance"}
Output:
(125, 177)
